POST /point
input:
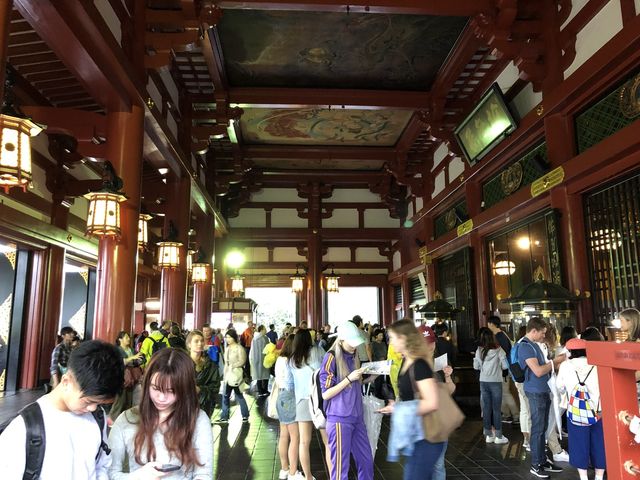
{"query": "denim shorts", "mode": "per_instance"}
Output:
(286, 406)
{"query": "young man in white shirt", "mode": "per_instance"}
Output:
(73, 441)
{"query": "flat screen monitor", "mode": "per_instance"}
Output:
(487, 125)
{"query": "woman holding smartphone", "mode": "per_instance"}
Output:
(167, 435)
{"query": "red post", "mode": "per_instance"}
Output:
(117, 259)
(617, 364)
(202, 300)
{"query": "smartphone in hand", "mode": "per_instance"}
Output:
(168, 467)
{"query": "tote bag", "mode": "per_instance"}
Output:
(439, 424)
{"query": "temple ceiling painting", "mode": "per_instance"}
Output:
(310, 126)
(335, 50)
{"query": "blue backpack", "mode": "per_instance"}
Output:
(517, 372)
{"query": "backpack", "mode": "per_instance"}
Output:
(213, 353)
(36, 440)
(157, 344)
(580, 410)
(316, 402)
(517, 372)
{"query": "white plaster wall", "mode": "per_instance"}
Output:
(110, 18)
(438, 184)
(377, 218)
(637, 7)
(419, 204)
(360, 195)
(287, 217)
(342, 218)
(596, 33)
(173, 126)
(21, 207)
(39, 182)
(249, 217)
(277, 195)
(439, 155)
(456, 168)
(526, 100)
(396, 260)
(369, 254)
(287, 254)
(170, 85)
(410, 211)
(576, 6)
(256, 254)
(508, 77)
(80, 207)
(337, 254)
(355, 271)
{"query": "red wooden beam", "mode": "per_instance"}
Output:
(244, 234)
(314, 153)
(342, 98)
(463, 8)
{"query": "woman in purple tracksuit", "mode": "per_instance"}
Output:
(339, 377)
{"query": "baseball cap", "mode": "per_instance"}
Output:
(576, 344)
(351, 334)
(427, 333)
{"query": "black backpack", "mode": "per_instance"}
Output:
(36, 439)
(157, 344)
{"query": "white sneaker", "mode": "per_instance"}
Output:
(296, 476)
(283, 475)
(563, 456)
(489, 439)
(526, 445)
(501, 440)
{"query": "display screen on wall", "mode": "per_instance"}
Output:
(487, 125)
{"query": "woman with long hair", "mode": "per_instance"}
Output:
(490, 360)
(415, 381)
(339, 378)
(305, 359)
(166, 428)
(288, 442)
(630, 323)
(207, 372)
(235, 358)
(131, 360)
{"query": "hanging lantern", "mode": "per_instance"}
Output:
(504, 267)
(190, 260)
(143, 230)
(103, 219)
(237, 285)
(201, 273)
(297, 282)
(169, 254)
(332, 282)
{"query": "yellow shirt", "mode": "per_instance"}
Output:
(147, 345)
(396, 361)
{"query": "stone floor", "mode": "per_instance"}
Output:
(249, 451)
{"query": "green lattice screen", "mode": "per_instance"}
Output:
(534, 165)
(601, 120)
(439, 226)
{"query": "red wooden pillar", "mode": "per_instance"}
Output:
(5, 20)
(406, 294)
(617, 364)
(173, 290)
(117, 259)
(205, 237)
(386, 295)
(315, 289)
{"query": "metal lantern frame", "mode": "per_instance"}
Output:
(237, 284)
(201, 272)
(333, 285)
(103, 219)
(143, 230)
(297, 281)
(169, 254)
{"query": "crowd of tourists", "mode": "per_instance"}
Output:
(142, 408)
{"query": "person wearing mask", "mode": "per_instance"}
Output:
(124, 400)
(510, 410)
(235, 359)
(537, 371)
(289, 439)
(416, 381)
(586, 441)
(168, 427)
(305, 358)
(340, 379)
(207, 373)
(60, 355)
(490, 360)
(272, 335)
(259, 373)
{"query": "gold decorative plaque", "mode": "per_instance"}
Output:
(465, 227)
(425, 258)
(630, 98)
(547, 181)
(450, 219)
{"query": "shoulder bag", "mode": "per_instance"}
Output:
(439, 424)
